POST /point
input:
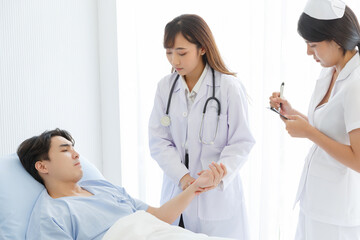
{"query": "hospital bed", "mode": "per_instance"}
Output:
(19, 192)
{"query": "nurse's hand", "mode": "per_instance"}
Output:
(185, 181)
(275, 101)
(298, 126)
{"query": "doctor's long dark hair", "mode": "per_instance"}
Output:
(344, 31)
(196, 31)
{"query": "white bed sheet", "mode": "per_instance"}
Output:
(142, 225)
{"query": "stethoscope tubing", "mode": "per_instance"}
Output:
(170, 96)
(207, 101)
(166, 121)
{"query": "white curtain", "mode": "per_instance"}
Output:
(258, 40)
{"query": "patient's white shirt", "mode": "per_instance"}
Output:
(81, 217)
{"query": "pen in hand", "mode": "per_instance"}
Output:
(281, 92)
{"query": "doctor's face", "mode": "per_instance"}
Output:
(327, 53)
(185, 57)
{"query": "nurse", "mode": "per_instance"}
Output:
(329, 189)
(200, 115)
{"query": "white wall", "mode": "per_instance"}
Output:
(109, 81)
(50, 73)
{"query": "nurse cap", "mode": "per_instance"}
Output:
(325, 9)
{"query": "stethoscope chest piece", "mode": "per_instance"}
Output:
(165, 121)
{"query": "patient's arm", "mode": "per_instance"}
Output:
(207, 180)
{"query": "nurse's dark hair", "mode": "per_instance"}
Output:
(196, 31)
(37, 148)
(344, 31)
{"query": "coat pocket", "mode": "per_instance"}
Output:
(218, 205)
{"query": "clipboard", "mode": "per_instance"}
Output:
(275, 110)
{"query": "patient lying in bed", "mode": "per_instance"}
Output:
(67, 209)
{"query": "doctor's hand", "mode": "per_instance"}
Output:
(275, 101)
(298, 126)
(211, 178)
(185, 181)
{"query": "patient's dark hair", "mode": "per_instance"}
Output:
(344, 31)
(37, 148)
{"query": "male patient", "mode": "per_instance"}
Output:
(67, 209)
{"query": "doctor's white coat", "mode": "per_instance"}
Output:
(221, 211)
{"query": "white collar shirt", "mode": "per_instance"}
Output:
(190, 96)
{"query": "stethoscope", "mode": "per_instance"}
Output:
(166, 121)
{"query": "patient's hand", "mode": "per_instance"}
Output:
(210, 178)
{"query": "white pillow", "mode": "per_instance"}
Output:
(19, 191)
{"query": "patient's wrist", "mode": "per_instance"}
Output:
(185, 181)
(194, 187)
(206, 179)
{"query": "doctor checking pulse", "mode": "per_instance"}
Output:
(199, 117)
(329, 189)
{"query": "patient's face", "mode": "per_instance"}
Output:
(64, 164)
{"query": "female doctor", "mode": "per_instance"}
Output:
(199, 117)
(329, 190)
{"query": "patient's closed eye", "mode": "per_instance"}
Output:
(64, 149)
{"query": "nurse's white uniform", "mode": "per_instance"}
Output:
(329, 192)
(221, 211)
